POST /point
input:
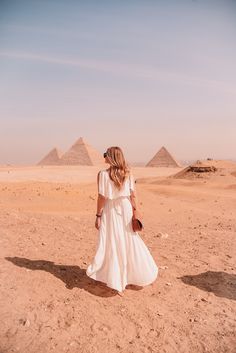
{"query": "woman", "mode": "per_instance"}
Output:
(121, 257)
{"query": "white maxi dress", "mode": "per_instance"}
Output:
(121, 257)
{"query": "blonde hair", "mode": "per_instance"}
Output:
(119, 169)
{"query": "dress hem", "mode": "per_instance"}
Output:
(128, 283)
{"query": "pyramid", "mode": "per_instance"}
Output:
(81, 153)
(162, 159)
(52, 158)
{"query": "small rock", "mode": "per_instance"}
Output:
(24, 322)
(73, 343)
(163, 267)
(162, 235)
(159, 314)
(168, 284)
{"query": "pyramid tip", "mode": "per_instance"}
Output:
(81, 139)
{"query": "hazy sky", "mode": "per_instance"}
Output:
(138, 74)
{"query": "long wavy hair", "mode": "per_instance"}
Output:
(119, 169)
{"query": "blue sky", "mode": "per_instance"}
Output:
(138, 74)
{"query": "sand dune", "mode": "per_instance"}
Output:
(48, 238)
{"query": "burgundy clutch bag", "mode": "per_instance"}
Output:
(136, 225)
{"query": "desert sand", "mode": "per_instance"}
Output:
(48, 238)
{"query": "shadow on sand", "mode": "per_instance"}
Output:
(72, 276)
(222, 284)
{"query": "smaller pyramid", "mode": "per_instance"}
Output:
(163, 159)
(81, 153)
(52, 158)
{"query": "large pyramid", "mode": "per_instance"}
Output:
(81, 153)
(162, 159)
(52, 158)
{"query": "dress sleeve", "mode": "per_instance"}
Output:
(102, 184)
(132, 182)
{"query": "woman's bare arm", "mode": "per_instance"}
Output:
(133, 199)
(100, 200)
(100, 203)
(134, 203)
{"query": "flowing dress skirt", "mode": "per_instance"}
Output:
(121, 256)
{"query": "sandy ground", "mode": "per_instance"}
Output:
(47, 239)
(70, 174)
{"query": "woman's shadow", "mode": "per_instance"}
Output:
(72, 276)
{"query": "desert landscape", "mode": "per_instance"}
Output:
(91, 85)
(48, 238)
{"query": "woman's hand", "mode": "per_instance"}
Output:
(98, 222)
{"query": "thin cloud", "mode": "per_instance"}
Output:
(129, 70)
(49, 31)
